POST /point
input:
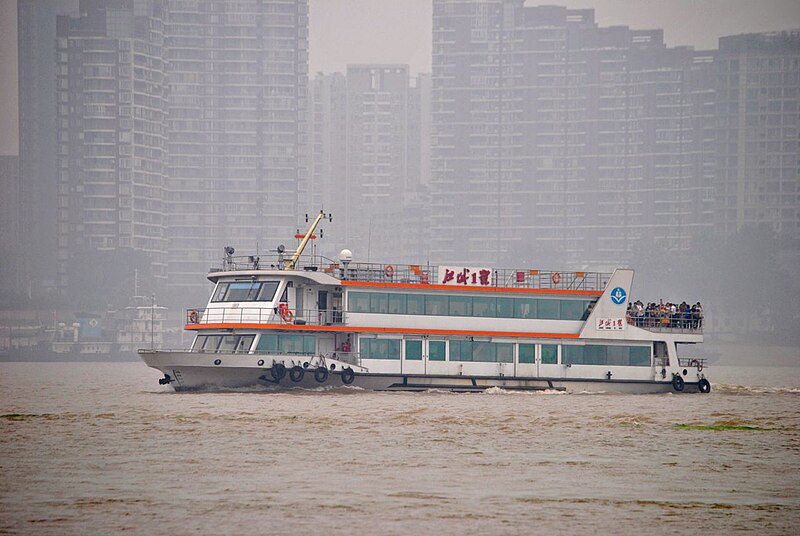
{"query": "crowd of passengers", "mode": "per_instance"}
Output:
(665, 315)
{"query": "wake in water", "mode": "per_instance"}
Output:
(732, 389)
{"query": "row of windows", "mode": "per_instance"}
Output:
(476, 306)
(460, 351)
(245, 291)
(501, 352)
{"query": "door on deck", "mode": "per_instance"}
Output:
(412, 357)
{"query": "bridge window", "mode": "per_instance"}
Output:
(245, 291)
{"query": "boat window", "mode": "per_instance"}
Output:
(397, 304)
(211, 343)
(268, 289)
(505, 307)
(599, 354)
(549, 309)
(287, 344)
(525, 308)
(436, 350)
(228, 343)
(415, 304)
(244, 344)
(378, 302)
(245, 291)
(380, 348)
(413, 350)
(484, 306)
(435, 305)
(359, 302)
(549, 354)
(486, 352)
(460, 306)
(219, 294)
(526, 353)
(572, 309)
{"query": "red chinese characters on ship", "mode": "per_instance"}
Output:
(464, 276)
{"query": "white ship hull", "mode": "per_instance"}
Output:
(183, 375)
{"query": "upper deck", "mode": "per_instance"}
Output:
(428, 275)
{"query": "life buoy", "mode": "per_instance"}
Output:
(556, 278)
(278, 371)
(388, 270)
(193, 317)
(678, 383)
(321, 374)
(287, 315)
(348, 375)
(296, 373)
(704, 386)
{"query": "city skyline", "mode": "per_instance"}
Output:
(387, 31)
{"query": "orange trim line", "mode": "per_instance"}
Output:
(412, 331)
(472, 289)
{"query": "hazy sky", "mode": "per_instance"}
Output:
(399, 31)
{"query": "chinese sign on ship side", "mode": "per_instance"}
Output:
(610, 324)
(466, 276)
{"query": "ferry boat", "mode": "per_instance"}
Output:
(417, 327)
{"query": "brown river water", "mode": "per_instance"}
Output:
(101, 448)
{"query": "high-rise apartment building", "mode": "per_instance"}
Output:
(758, 148)
(10, 235)
(38, 149)
(111, 113)
(238, 73)
(370, 159)
(554, 138)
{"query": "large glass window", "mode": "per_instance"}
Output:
(484, 306)
(572, 309)
(525, 308)
(435, 305)
(485, 352)
(245, 291)
(380, 348)
(359, 302)
(378, 302)
(527, 353)
(549, 309)
(549, 354)
(505, 307)
(599, 354)
(413, 350)
(460, 306)
(223, 343)
(287, 344)
(436, 350)
(397, 304)
(415, 304)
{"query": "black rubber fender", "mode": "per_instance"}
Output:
(321, 374)
(677, 383)
(278, 371)
(704, 386)
(296, 373)
(348, 375)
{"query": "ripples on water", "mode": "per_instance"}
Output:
(101, 448)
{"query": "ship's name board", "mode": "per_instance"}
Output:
(466, 276)
(610, 324)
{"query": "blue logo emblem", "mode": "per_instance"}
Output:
(618, 295)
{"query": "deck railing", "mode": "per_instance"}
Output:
(263, 315)
(668, 324)
(429, 274)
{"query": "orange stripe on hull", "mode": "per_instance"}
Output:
(412, 331)
(472, 289)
